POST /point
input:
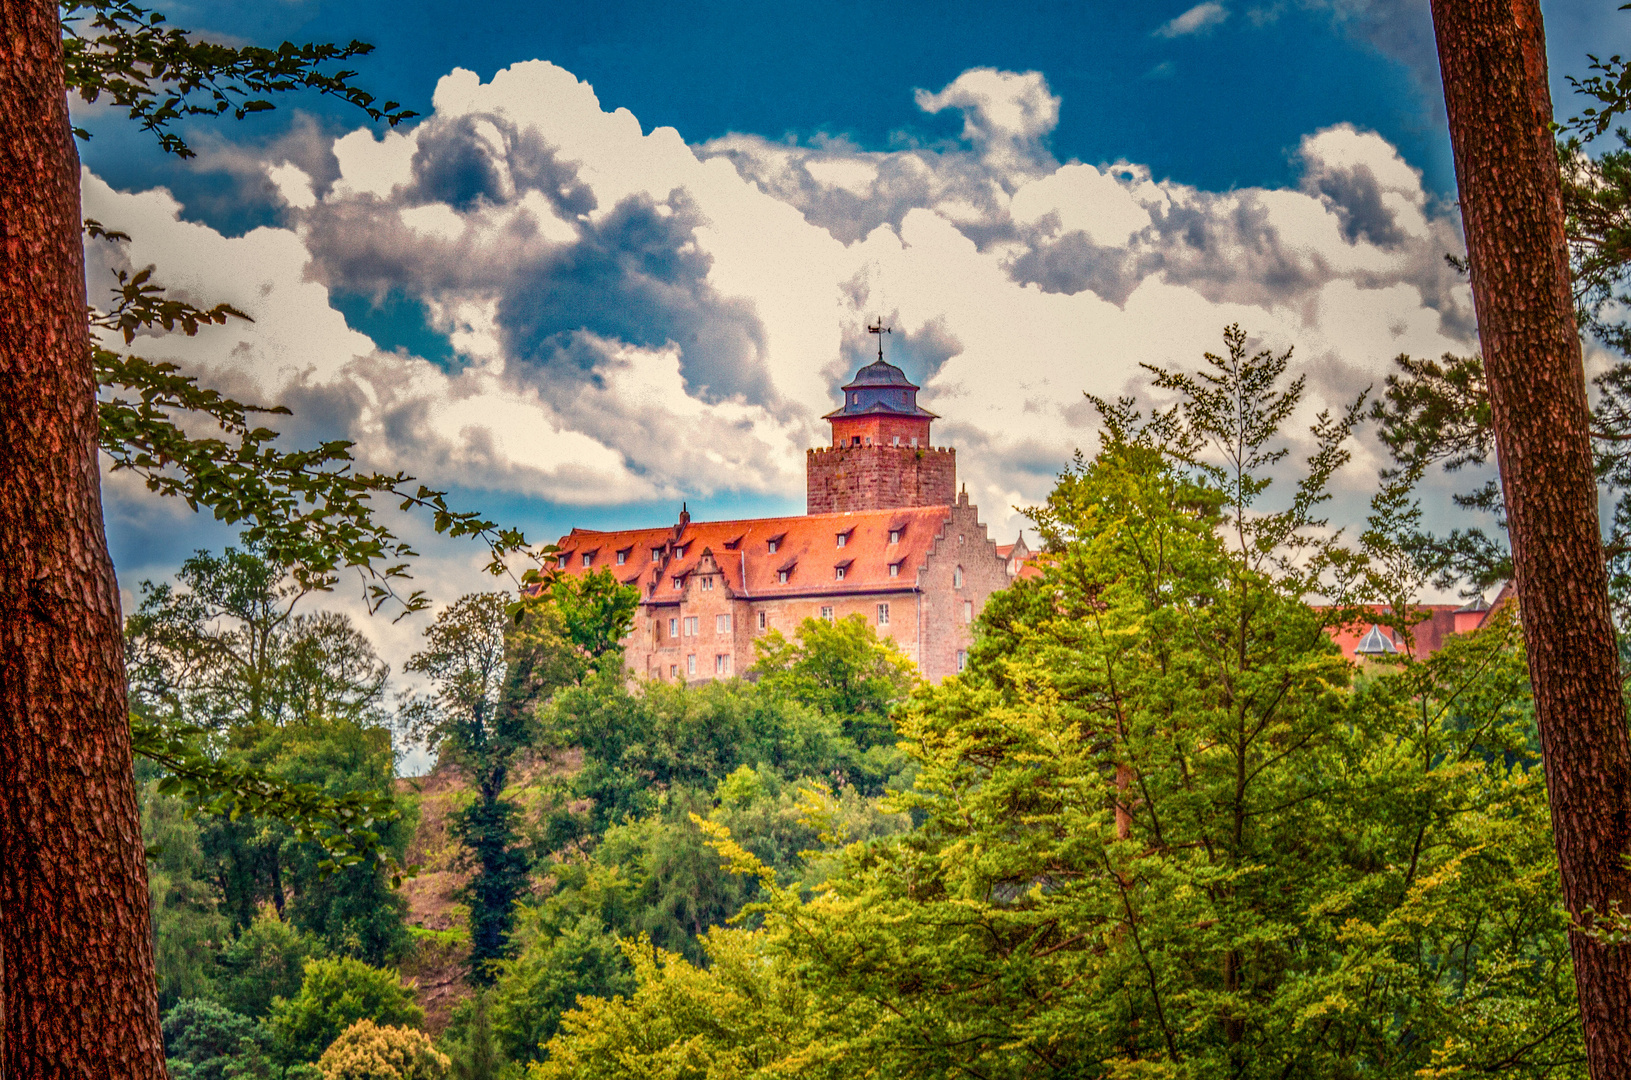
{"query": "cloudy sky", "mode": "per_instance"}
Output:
(625, 256)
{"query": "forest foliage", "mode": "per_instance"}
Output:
(1161, 826)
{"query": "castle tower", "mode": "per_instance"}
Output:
(880, 457)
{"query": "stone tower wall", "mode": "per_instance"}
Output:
(842, 479)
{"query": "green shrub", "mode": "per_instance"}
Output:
(266, 961)
(334, 995)
(204, 1041)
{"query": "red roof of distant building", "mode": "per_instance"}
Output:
(806, 547)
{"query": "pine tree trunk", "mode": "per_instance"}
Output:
(1492, 53)
(77, 992)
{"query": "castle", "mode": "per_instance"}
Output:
(885, 536)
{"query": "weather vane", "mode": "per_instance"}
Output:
(880, 329)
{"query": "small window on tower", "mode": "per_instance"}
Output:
(957, 578)
(962, 660)
(968, 611)
(762, 620)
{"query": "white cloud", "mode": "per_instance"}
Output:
(1197, 20)
(636, 319)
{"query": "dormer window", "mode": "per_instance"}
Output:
(775, 542)
(679, 552)
(841, 569)
(781, 576)
(773, 545)
(656, 554)
(587, 558)
(623, 556)
(894, 536)
(894, 569)
(679, 583)
(561, 563)
(843, 537)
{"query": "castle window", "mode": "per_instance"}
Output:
(962, 660)
(826, 614)
(968, 611)
(691, 664)
(691, 622)
(894, 569)
(722, 624)
(673, 671)
(957, 578)
(673, 628)
(883, 614)
(914, 440)
(707, 584)
(762, 620)
(722, 664)
(588, 558)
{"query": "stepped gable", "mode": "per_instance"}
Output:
(805, 548)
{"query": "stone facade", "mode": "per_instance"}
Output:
(865, 477)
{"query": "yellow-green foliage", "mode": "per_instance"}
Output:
(743, 1015)
(365, 1051)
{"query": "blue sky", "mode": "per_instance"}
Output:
(624, 257)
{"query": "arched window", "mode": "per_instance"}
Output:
(957, 578)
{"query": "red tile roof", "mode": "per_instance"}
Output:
(806, 546)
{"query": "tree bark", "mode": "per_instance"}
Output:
(77, 992)
(1493, 58)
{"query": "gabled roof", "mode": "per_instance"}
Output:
(808, 546)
